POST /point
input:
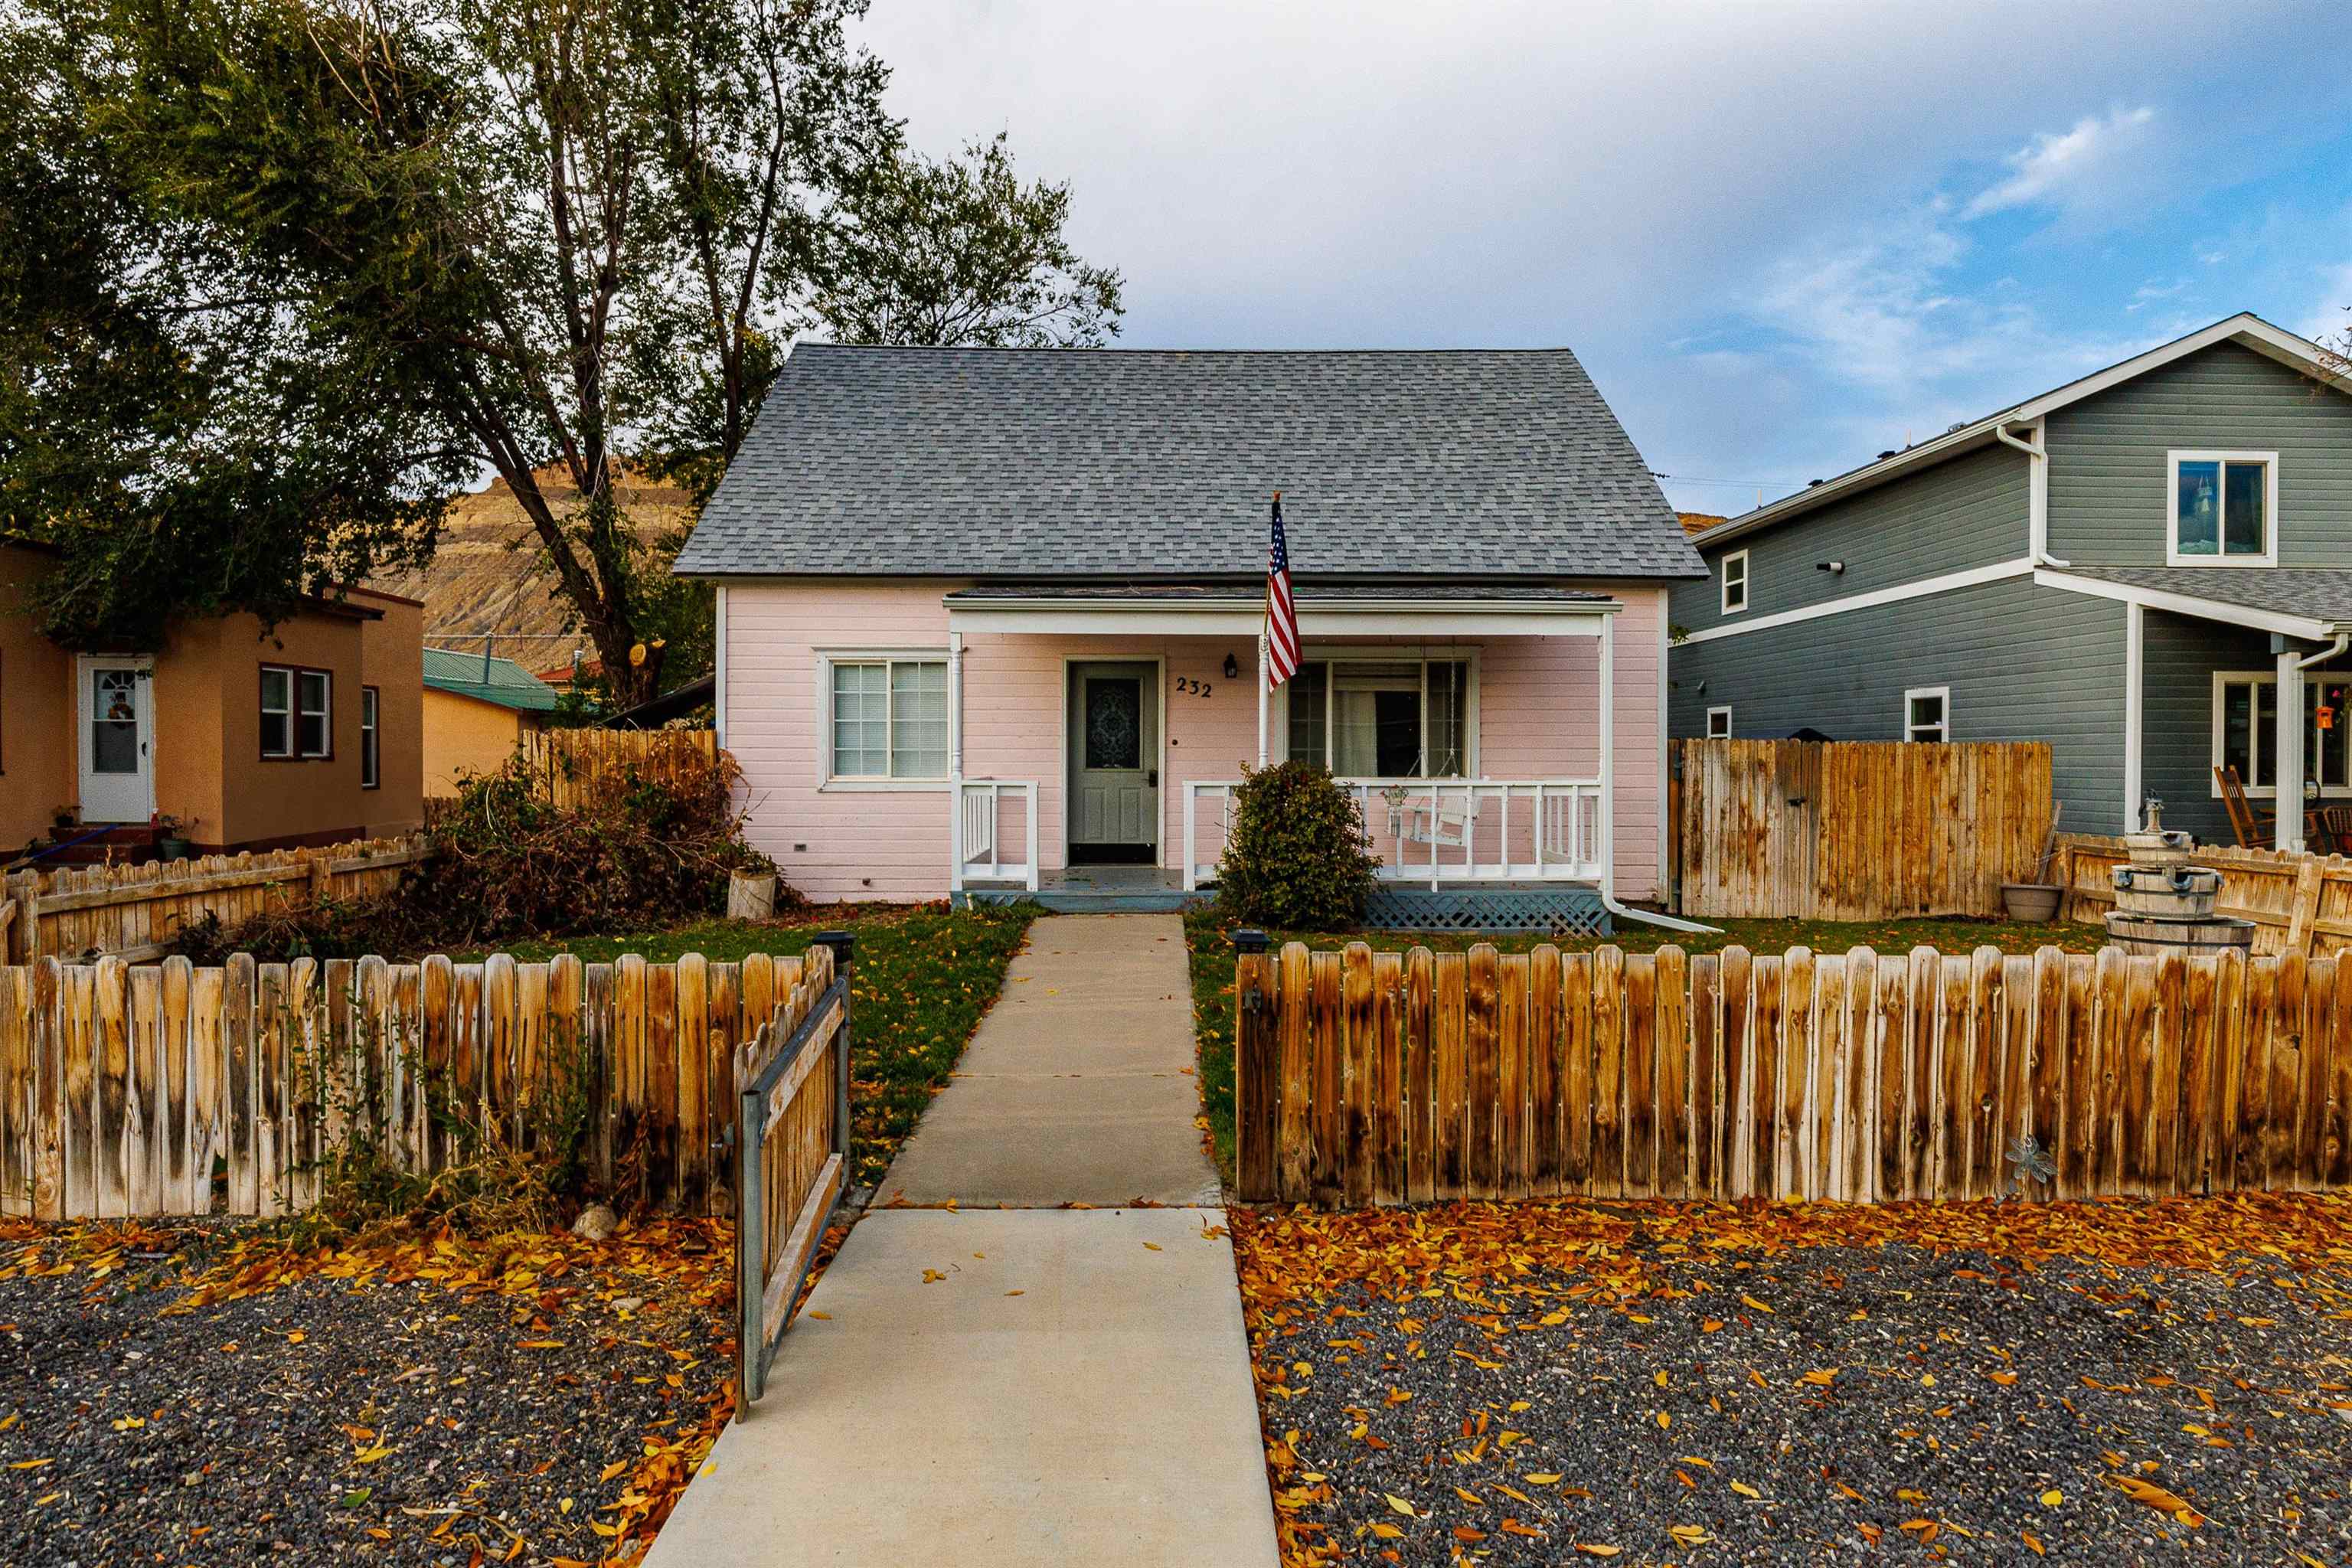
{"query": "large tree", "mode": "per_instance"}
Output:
(366, 247)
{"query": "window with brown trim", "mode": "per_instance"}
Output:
(369, 703)
(297, 712)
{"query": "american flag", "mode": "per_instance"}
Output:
(1281, 614)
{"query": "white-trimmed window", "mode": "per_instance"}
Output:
(1927, 713)
(887, 718)
(2222, 508)
(1718, 723)
(1383, 717)
(1734, 567)
(2245, 731)
(297, 712)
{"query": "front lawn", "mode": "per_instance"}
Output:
(920, 980)
(1698, 1383)
(1207, 933)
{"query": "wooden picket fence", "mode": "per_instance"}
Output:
(1857, 830)
(2299, 903)
(1376, 1078)
(572, 764)
(133, 911)
(123, 1088)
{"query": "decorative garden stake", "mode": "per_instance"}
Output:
(2030, 1164)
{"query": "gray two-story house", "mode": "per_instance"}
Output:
(2150, 568)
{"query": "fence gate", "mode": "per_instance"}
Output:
(792, 1151)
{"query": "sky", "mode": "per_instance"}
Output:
(1782, 238)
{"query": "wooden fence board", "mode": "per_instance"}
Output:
(1857, 830)
(1852, 1077)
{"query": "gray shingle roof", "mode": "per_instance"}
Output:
(1306, 591)
(2319, 593)
(1009, 462)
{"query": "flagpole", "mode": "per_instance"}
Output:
(1264, 688)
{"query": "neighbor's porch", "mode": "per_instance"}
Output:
(1476, 727)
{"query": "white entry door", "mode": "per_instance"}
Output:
(115, 707)
(1114, 729)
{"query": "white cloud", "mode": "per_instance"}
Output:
(2331, 313)
(2056, 164)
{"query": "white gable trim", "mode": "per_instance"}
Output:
(2245, 329)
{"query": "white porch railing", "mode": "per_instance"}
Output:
(978, 832)
(1439, 830)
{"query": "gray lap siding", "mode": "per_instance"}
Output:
(2025, 663)
(2108, 501)
(1971, 511)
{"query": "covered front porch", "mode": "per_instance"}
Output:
(2234, 673)
(1097, 734)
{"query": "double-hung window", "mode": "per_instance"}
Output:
(2245, 731)
(1927, 713)
(1735, 582)
(371, 760)
(297, 708)
(2224, 508)
(889, 719)
(1382, 718)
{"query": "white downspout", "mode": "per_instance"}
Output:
(955, 770)
(2135, 721)
(1608, 641)
(2037, 498)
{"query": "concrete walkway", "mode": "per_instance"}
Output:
(1026, 1385)
(1079, 1086)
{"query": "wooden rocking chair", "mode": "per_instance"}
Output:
(2254, 828)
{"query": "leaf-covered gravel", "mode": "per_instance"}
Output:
(534, 1400)
(2079, 1382)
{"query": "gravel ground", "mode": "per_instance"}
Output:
(490, 1412)
(1817, 1403)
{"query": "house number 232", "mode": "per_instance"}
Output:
(1192, 688)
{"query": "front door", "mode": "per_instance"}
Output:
(1114, 746)
(116, 716)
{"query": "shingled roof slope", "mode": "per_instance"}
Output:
(995, 462)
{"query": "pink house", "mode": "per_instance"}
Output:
(991, 622)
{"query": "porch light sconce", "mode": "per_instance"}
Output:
(1232, 667)
(1834, 568)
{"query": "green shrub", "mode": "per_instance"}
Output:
(1297, 856)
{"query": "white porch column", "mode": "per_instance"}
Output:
(1608, 755)
(955, 706)
(2135, 687)
(955, 767)
(2287, 765)
(1265, 695)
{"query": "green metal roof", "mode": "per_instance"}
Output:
(504, 681)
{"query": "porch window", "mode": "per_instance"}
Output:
(2222, 506)
(1387, 718)
(890, 719)
(1927, 713)
(2245, 731)
(1718, 723)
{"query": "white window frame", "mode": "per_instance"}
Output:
(1723, 574)
(2263, 738)
(2172, 461)
(1712, 732)
(862, 783)
(287, 712)
(324, 713)
(1942, 727)
(1424, 656)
